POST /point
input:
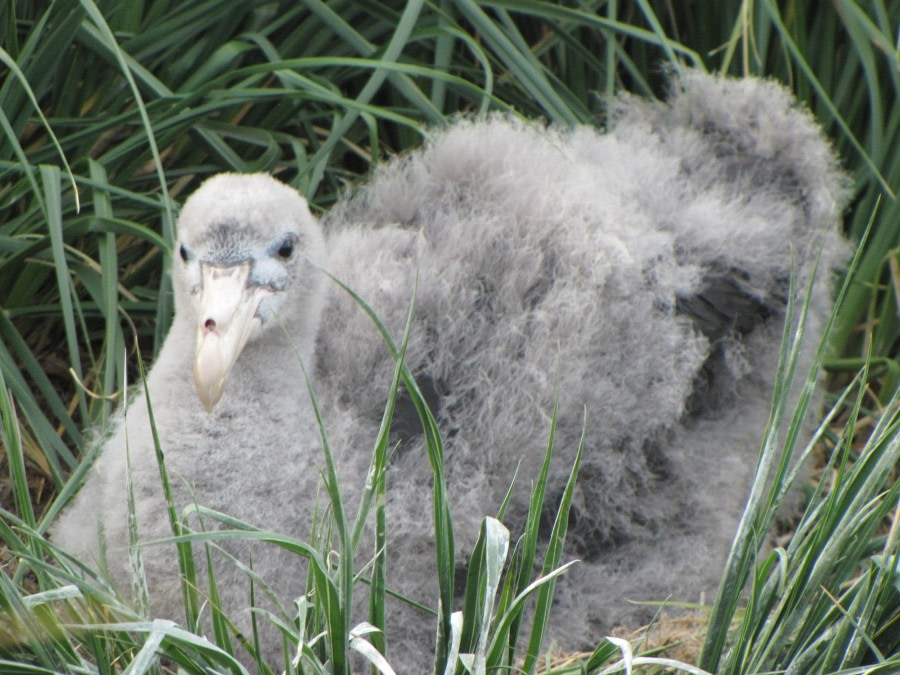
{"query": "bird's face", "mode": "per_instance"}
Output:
(245, 261)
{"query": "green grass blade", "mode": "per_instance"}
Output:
(50, 178)
(551, 563)
(114, 340)
(12, 442)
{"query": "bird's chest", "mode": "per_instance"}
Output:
(257, 448)
(246, 448)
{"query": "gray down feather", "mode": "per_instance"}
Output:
(642, 272)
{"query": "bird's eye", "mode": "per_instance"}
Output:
(286, 250)
(183, 252)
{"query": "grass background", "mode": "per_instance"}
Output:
(112, 112)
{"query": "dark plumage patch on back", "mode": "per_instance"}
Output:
(774, 172)
(655, 458)
(588, 536)
(406, 425)
(725, 307)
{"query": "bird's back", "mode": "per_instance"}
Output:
(641, 274)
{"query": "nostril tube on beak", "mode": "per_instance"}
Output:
(227, 318)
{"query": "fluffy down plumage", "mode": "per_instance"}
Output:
(643, 272)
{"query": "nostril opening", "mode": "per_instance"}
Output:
(210, 324)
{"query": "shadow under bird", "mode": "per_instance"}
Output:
(643, 273)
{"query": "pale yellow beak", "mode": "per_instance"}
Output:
(227, 320)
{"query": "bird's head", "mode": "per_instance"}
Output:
(247, 252)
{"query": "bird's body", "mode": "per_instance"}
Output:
(641, 273)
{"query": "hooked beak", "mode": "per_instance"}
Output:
(227, 320)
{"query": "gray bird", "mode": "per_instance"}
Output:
(642, 272)
(248, 292)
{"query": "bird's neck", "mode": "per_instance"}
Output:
(276, 358)
(267, 365)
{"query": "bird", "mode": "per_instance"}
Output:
(247, 282)
(635, 277)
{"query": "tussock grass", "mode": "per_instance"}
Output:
(112, 111)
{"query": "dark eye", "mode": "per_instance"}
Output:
(286, 250)
(183, 252)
